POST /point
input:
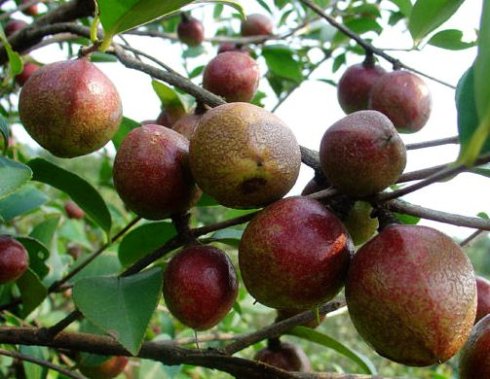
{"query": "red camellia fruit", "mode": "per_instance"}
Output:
(474, 360)
(404, 98)
(294, 254)
(73, 210)
(355, 85)
(110, 368)
(13, 26)
(187, 124)
(256, 25)
(232, 75)
(151, 172)
(411, 294)
(483, 292)
(190, 31)
(200, 286)
(285, 356)
(14, 259)
(26, 73)
(31, 10)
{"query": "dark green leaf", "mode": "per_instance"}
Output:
(483, 215)
(15, 61)
(38, 254)
(309, 334)
(450, 39)
(407, 219)
(218, 10)
(44, 232)
(23, 201)
(196, 72)
(427, 15)
(264, 5)
(280, 61)
(77, 188)
(206, 201)
(122, 307)
(482, 67)
(32, 291)
(13, 174)
(481, 171)
(98, 56)
(194, 51)
(143, 240)
(4, 132)
(228, 236)
(405, 6)
(104, 265)
(338, 62)
(32, 370)
(124, 128)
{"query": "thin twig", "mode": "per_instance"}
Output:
(437, 142)
(471, 237)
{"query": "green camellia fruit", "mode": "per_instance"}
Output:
(411, 294)
(70, 108)
(244, 156)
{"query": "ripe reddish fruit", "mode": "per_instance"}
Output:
(285, 356)
(483, 292)
(355, 85)
(362, 154)
(26, 73)
(70, 108)
(200, 286)
(411, 294)
(244, 156)
(474, 361)
(151, 172)
(73, 210)
(109, 368)
(256, 25)
(232, 75)
(13, 26)
(14, 259)
(404, 98)
(294, 254)
(187, 125)
(32, 10)
(190, 31)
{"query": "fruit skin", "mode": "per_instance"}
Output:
(70, 108)
(200, 286)
(411, 294)
(294, 254)
(29, 69)
(362, 154)
(151, 172)
(483, 292)
(168, 117)
(14, 259)
(31, 10)
(355, 85)
(232, 75)
(359, 223)
(187, 125)
(404, 98)
(285, 356)
(256, 25)
(474, 361)
(110, 368)
(13, 26)
(244, 156)
(190, 31)
(73, 210)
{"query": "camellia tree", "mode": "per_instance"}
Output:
(180, 255)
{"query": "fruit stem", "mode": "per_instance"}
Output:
(181, 223)
(342, 206)
(369, 61)
(184, 17)
(200, 108)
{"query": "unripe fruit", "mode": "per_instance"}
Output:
(14, 259)
(474, 361)
(26, 73)
(190, 31)
(285, 356)
(362, 154)
(256, 25)
(70, 108)
(244, 156)
(232, 75)
(483, 292)
(200, 286)
(294, 254)
(13, 26)
(187, 125)
(355, 86)
(411, 294)
(110, 368)
(151, 172)
(404, 98)
(73, 210)
(359, 223)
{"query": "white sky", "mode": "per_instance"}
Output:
(314, 107)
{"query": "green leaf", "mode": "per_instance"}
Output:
(405, 6)
(4, 131)
(32, 370)
(450, 39)
(170, 99)
(44, 232)
(122, 307)
(482, 65)
(98, 56)
(427, 15)
(407, 219)
(77, 188)
(228, 236)
(309, 334)
(13, 174)
(280, 61)
(104, 265)
(38, 254)
(23, 201)
(15, 61)
(206, 201)
(481, 171)
(124, 128)
(32, 291)
(143, 240)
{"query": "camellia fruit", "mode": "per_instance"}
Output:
(14, 259)
(70, 108)
(190, 31)
(285, 356)
(256, 25)
(200, 286)
(294, 254)
(411, 294)
(103, 369)
(483, 292)
(474, 360)
(244, 156)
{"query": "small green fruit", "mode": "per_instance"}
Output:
(359, 223)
